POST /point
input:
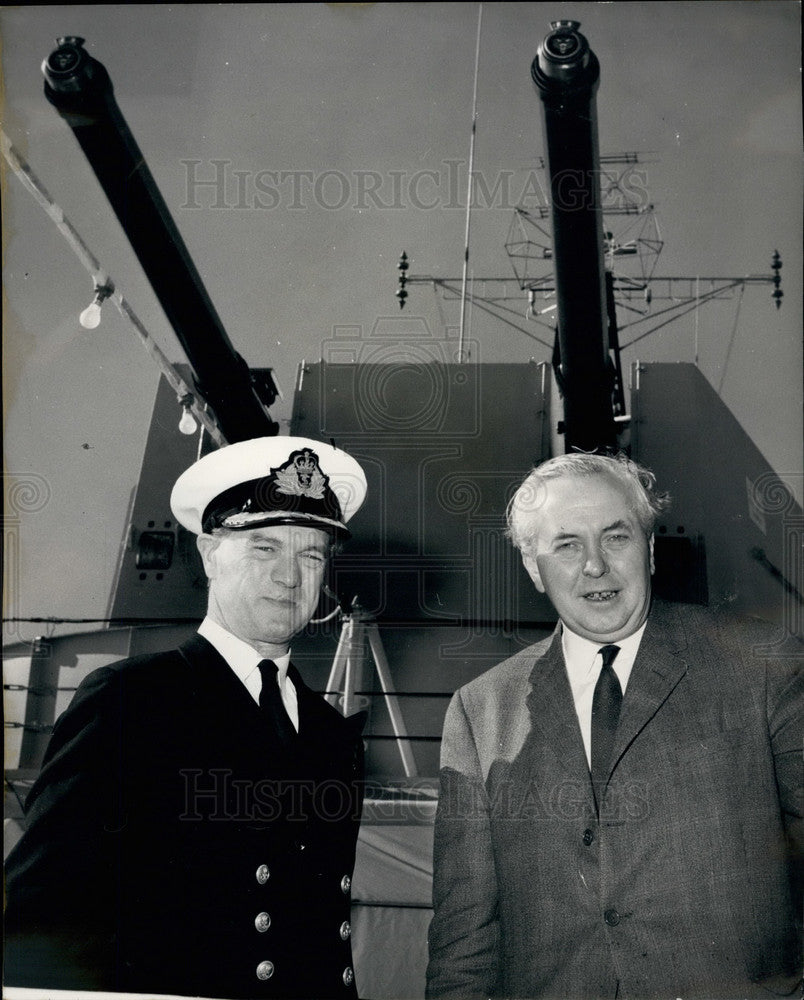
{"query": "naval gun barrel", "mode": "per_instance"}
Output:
(80, 89)
(566, 73)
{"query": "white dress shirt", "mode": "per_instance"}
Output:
(584, 664)
(244, 660)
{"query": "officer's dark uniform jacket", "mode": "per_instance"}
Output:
(174, 845)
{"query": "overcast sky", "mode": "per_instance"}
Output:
(339, 135)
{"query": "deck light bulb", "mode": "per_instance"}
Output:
(187, 424)
(90, 318)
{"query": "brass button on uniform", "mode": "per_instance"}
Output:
(346, 884)
(588, 837)
(345, 930)
(265, 970)
(348, 976)
(263, 874)
(262, 922)
(612, 917)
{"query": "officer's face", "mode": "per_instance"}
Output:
(591, 557)
(264, 583)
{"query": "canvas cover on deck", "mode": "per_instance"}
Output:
(392, 894)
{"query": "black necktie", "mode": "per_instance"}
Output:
(271, 702)
(606, 703)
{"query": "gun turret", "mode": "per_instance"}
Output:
(80, 89)
(566, 73)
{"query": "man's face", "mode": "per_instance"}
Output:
(264, 582)
(591, 557)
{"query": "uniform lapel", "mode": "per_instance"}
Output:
(658, 668)
(217, 691)
(318, 720)
(213, 684)
(212, 677)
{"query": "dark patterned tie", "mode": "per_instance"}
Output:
(606, 703)
(271, 702)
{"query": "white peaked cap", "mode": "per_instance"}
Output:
(270, 480)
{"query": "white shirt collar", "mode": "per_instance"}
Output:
(580, 654)
(583, 669)
(241, 657)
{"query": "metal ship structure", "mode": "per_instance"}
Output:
(429, 594)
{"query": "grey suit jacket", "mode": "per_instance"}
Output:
(684, 885)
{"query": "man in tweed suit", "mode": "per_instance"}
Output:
(621, 804)
(193, 828)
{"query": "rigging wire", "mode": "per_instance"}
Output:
(485, 306)
(731, 342)
(470, 188)
(101, 279)
(678, 311)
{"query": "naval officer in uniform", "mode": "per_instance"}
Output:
(193, 828)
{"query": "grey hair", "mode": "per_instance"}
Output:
(523, 510)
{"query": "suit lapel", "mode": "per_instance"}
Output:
(552, 710)
(658, 668)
